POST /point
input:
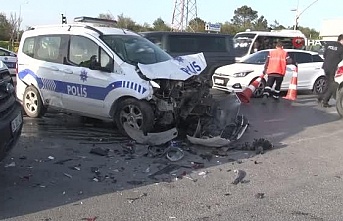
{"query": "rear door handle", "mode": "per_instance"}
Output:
(53, 68)
(317, 68)
(67, 71)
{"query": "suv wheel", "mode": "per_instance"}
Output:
(32, 102)
(339, 101)
(138, 114)
(319, 86)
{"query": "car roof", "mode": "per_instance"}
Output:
(81, 27)
(295, 50)
(184, 33)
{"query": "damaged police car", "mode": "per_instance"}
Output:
(115, 74)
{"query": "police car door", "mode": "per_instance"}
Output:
(85, 85)
(40, 65)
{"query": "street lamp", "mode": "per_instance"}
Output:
(19, 19)
(297, 14)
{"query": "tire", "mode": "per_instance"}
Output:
(32, 103)
(259, 91)
(320, 86)
(129, 110)
(339, 102)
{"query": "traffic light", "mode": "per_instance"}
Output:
(64, 19)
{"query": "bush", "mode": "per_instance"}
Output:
(8, 46)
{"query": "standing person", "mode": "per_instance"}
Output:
(275, 68)
(333, 55)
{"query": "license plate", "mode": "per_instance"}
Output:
(16, 123)
(218, 81)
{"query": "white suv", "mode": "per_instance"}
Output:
(110, 74)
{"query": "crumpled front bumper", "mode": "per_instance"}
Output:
(226, 125)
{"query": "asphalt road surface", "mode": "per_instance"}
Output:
(51, 174)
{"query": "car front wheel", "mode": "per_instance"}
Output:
(339, 101)
(319, 86)
(260, 89)
(32, 102)
(138, 114)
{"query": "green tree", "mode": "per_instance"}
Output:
(196, 25)
(229, 28)
(128, 23)
(276, 26)
(261, 24)
(244, 17)
(160, 25)
(309, 32)
(5, 28)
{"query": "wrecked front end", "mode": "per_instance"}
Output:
(186, 109)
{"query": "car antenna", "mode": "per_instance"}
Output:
(123, 30)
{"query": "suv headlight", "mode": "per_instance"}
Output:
(242, 74)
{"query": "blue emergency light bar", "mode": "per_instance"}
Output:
(99, 21)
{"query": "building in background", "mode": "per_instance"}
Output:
(331, 28)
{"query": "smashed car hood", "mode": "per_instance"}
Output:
(180, 68)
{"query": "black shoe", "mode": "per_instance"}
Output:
(326, 105)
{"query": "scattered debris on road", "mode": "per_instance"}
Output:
(258, 145)
(90, 219)
(259, 195)
(10, 165)
(132, 200)
(240, 175)
(68, 175)
(99, 151)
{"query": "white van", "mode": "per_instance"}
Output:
(108, 73)
(246, 43)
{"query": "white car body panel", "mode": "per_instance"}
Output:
(308, 73)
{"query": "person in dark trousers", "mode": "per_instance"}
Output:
(333, 55)
(275, 68)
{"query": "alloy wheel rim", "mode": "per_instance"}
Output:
(132, 115)
(321, 84)
(31, 102)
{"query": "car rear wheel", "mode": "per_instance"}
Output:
(138, 114)
(32, 102)
(260, 89)
(320, 85)
(339, 101)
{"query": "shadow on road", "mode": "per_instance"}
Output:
(54, 166)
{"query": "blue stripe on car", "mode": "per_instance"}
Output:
(93, 92)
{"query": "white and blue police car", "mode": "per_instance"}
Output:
(106, 73)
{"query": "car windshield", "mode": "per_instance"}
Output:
(242, 43)
(135, 49)
(256, 58)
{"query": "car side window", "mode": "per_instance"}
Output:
(82, 51)
(28, 47)
(181, 44)
(317, 58)
(48, 48)
(303, 57)
(156, 39)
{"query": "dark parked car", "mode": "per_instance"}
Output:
(11, 118)
(217, 48)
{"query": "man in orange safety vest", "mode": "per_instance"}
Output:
(275, 68)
